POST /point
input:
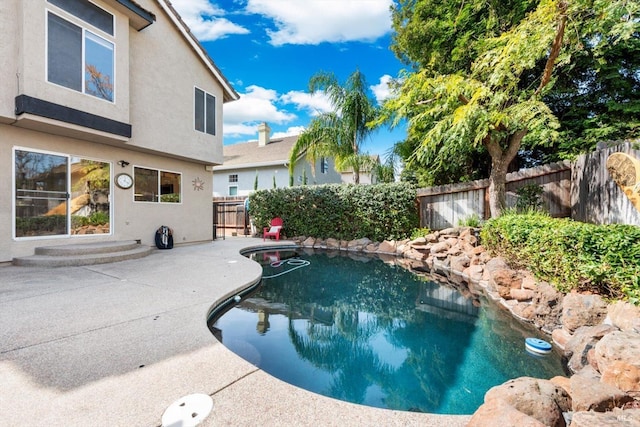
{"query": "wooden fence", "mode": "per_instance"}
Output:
(446, 205)
(595, 196)
(229, 217)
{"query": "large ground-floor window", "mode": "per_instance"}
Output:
(153, 185)
(60, 194)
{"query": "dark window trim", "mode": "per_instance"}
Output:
(29, 105)
(142, 13)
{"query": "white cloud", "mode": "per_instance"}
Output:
(317, 21)
(257, 105)
(313, 103)
(294, 130)
(382, 91)
(205, 20)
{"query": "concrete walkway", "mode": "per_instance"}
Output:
(116, 344)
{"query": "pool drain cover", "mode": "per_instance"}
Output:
(188, 411)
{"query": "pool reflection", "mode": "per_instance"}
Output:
(372, 333)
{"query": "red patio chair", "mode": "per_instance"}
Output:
(274, 230)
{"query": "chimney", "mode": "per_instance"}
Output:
(264, 133)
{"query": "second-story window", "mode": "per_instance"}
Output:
(233, 177)
(78, 56)
(324, 165)
(205, 112)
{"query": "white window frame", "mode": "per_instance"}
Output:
(86, 27)
(69, 157)
(229, 190)
(159, 188)
(324, 165)
(204, 110)
(233, 177)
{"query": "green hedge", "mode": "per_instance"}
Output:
(569, 254)
(379, 212)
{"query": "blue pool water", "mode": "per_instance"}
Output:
(371, 333)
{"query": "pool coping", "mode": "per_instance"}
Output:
(118, 343)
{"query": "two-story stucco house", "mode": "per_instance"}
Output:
(110, 124)
(267, 160)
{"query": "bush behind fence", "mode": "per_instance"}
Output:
(379, 212)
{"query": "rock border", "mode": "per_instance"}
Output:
(600, 341)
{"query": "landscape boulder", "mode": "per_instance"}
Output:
(584, 340)
(615, 418)
(537, 398)
(589, 394)
(582, 310)
(498, 412)
(616, 355)
(625, 316)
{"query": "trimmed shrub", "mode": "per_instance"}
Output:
(569, 254)
(346, 212)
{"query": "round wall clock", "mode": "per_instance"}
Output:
(124, 180)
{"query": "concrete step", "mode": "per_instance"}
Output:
(84, 254)
(87, 248)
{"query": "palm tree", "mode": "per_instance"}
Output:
(341, 132)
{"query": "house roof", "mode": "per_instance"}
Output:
(251, 155)
(139, 17)
(229, 94)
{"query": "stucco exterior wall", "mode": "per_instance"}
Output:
(32, 67)
(9, 37)
(247, 176)
(164, 73)
(191, 219)
(156, 71)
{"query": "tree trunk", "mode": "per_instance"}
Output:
(356, 176)
(500, 161)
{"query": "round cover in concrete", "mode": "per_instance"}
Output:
(188, 411)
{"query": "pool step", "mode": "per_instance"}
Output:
(84, 254)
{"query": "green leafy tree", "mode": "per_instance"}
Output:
(341, 132)
(497, 103)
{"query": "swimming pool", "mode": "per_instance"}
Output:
(369, 332)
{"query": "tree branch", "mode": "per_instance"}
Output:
(555, 47)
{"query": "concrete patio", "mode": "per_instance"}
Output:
(116, 344)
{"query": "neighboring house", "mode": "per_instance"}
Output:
(268, 159)
(366, 177)
(110, 124)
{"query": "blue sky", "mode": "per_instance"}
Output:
(269, 49)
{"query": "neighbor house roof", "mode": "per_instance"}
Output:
(229, 94)
(251, 155)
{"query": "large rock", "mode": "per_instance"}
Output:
(625, 316)
(440, 248)
(498, 412)
(450, 232)
(582, 310)
(309, 242)
(495, 264)
(560, 338)
(548, 307)
(459, 263)
(387, 247)
(418, 241)
(332, 243)
(588, 394)
(615, 418)
(521, 294)
(624, 376)
(540, 399)
(474, 272)
(583, 340)
(358, 245)
(618, 355)
(506, 278)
